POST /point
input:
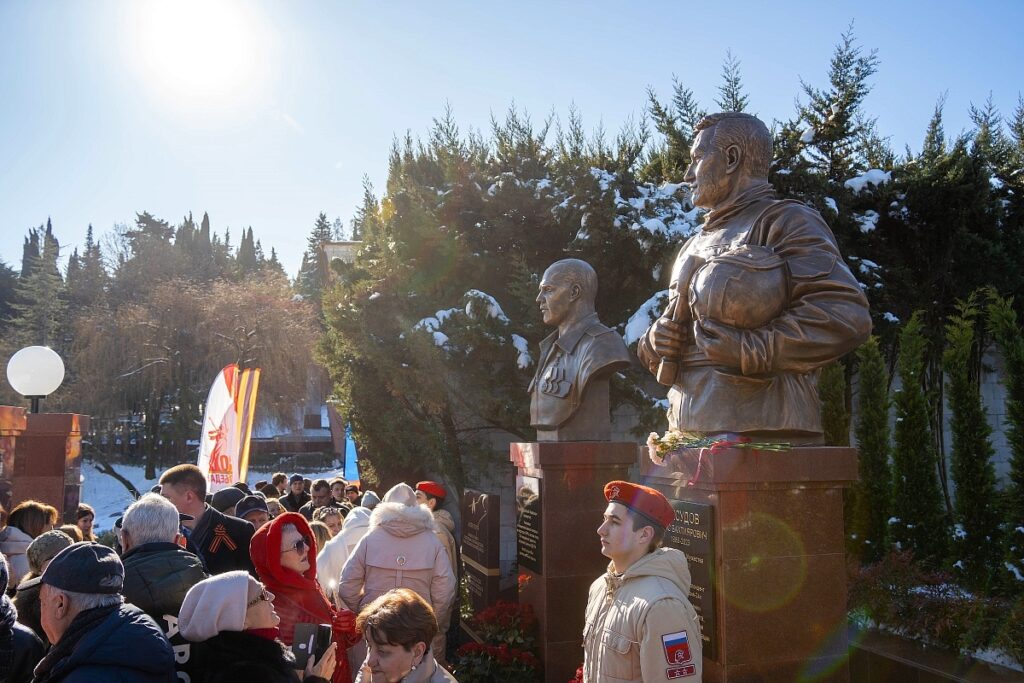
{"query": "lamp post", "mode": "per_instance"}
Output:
(35, 372)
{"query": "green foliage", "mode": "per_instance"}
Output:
(835, 416)
(873, 493)
(898, 593)
(919, 524)
(730, 93)
(976, 547)
(1004, 326)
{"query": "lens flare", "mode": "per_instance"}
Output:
(772, 568)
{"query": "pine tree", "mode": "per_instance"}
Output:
(934, 145)
(39, 301)
(1005, 327)
(976, 548)
(312, 275)
(873, 493)
(919, 523)
(835, 114)
(730, 93)
(246, 260)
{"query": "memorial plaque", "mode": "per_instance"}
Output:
(529, 535)
(693, 533)
(480, 547)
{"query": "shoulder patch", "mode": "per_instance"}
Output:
(677, 647)
(680, 671)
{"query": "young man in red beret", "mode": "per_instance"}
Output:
(640, 624)
(432, 494)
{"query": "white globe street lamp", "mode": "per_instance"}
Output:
(35, 372)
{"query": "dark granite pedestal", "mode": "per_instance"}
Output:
(48, 462)
(770, 577)
(560, 500)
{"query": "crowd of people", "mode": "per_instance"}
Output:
(303, 580)
(225, 586)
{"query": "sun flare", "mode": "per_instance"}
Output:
(209, 50)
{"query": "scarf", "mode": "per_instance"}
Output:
(265, 633)
(63, 649)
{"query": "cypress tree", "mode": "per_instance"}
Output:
(1005, 328)
(976, 549)
(835, 418)
(874, 491)
(919, 520)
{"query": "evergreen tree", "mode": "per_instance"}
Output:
(312, 275)
(246, 259)
(676, 122)
(835, 416)
(730, 93)
(1005, 328)
(919, 523)
(873, 493)
(8, 285)
(39, 307)
(976, 548)
(86, 276)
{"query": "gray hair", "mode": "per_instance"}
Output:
(150, 519)
(746, 132)
(575, 271)
(84, 601)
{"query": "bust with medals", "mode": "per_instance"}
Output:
(569, 392)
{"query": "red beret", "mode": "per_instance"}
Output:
(642, 500)
(431, 488)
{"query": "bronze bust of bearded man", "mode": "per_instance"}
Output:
(760, 298)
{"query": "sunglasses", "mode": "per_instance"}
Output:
(263, 596)
(297, 546)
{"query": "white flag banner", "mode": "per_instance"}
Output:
(219, 443)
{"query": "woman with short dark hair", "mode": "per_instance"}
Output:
(398, 627)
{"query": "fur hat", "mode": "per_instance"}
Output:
(216, 604)
(44, 547)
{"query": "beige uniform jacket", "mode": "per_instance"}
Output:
(640, 626)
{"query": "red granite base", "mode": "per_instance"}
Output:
(779, 570)
(572, 476)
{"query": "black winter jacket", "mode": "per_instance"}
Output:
(223, 542)
(20, 649)
(232, 656)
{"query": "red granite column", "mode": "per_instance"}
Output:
(777, 569)
(560, 500)
(12, 424)
(48, 461)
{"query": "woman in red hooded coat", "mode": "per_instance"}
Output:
(284, 552)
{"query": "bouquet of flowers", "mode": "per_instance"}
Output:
(674, 441)
(509, 632)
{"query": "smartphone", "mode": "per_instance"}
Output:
(311, 640)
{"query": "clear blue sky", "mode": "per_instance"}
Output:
(265, 113)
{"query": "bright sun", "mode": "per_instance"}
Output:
(210, 50)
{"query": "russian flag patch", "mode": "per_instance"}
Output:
(677, 647)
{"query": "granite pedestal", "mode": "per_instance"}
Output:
(48, 462)
(776, 569)
(560, 491)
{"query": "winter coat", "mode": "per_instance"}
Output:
(232, 656)
(27, 602)
(156, 578)
(20, 649)
(332, 557)
(298, 598)
(223, 542)
(640, 626)
(444, 527)
(127, 646)
(293, 503)
(422, 674)
(399, 551)
(14, 544)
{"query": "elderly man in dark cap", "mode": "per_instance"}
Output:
(96, 636)
(640, 625)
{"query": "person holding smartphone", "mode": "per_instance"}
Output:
(231, 621)
(284, 552)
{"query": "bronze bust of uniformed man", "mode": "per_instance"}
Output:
(569, 392)
(760, 298)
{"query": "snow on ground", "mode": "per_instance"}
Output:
(109, 497)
